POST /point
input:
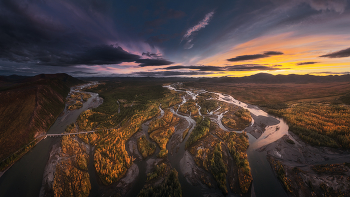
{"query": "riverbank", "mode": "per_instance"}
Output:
(49, 173)
(299, 160)
(56, 156)
(26, 149)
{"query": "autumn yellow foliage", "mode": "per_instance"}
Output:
(163, 128)
(71, 176)
(319, 124)
(111, 158)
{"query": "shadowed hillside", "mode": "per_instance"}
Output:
(29, 106)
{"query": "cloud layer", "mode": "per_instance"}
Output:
(76, 33)
(242, 67)
(305, 63)
(338, 54)
(255, 56)
(335, 5)
(153, 62)
(89, 37)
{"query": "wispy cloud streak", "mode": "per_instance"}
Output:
(200, 25)
(195, 28)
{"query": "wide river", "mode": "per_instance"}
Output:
(24, 178)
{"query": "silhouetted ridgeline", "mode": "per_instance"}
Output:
(29, 105)
(268, 78)
(257, 78)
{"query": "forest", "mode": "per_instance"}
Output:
(189, 108)
(281, 174)
(145, 147)
(207, 102)
(124, 109)
(162, 129)
(71, 175)
(170, 187)
(279, 95)
(127, 106)
(318, 123)
(75, 100)
(237, 144)
(199, 131)
(218, 168)
(236, 118)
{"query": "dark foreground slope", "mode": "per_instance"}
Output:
(29, 106)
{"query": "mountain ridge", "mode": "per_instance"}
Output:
(29, 106)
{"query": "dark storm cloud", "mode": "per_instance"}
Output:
(250, 67)
(306, 63)
(72, 35)
(98, 55)
(152, 55)
(30, 33)
(247, 57)
(200, 68)
(82, 73)
(153, 62)
(255, 56)
(105, 55)
(338, 54)
(168, 73)
(243, 67)
(269, 53)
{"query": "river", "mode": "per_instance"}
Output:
(265, 183)
(25, 177)
(174, 159)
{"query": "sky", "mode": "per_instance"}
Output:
(206, 38)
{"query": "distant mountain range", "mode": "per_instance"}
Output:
(29, 106)
(257, 78)
(268, 78)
